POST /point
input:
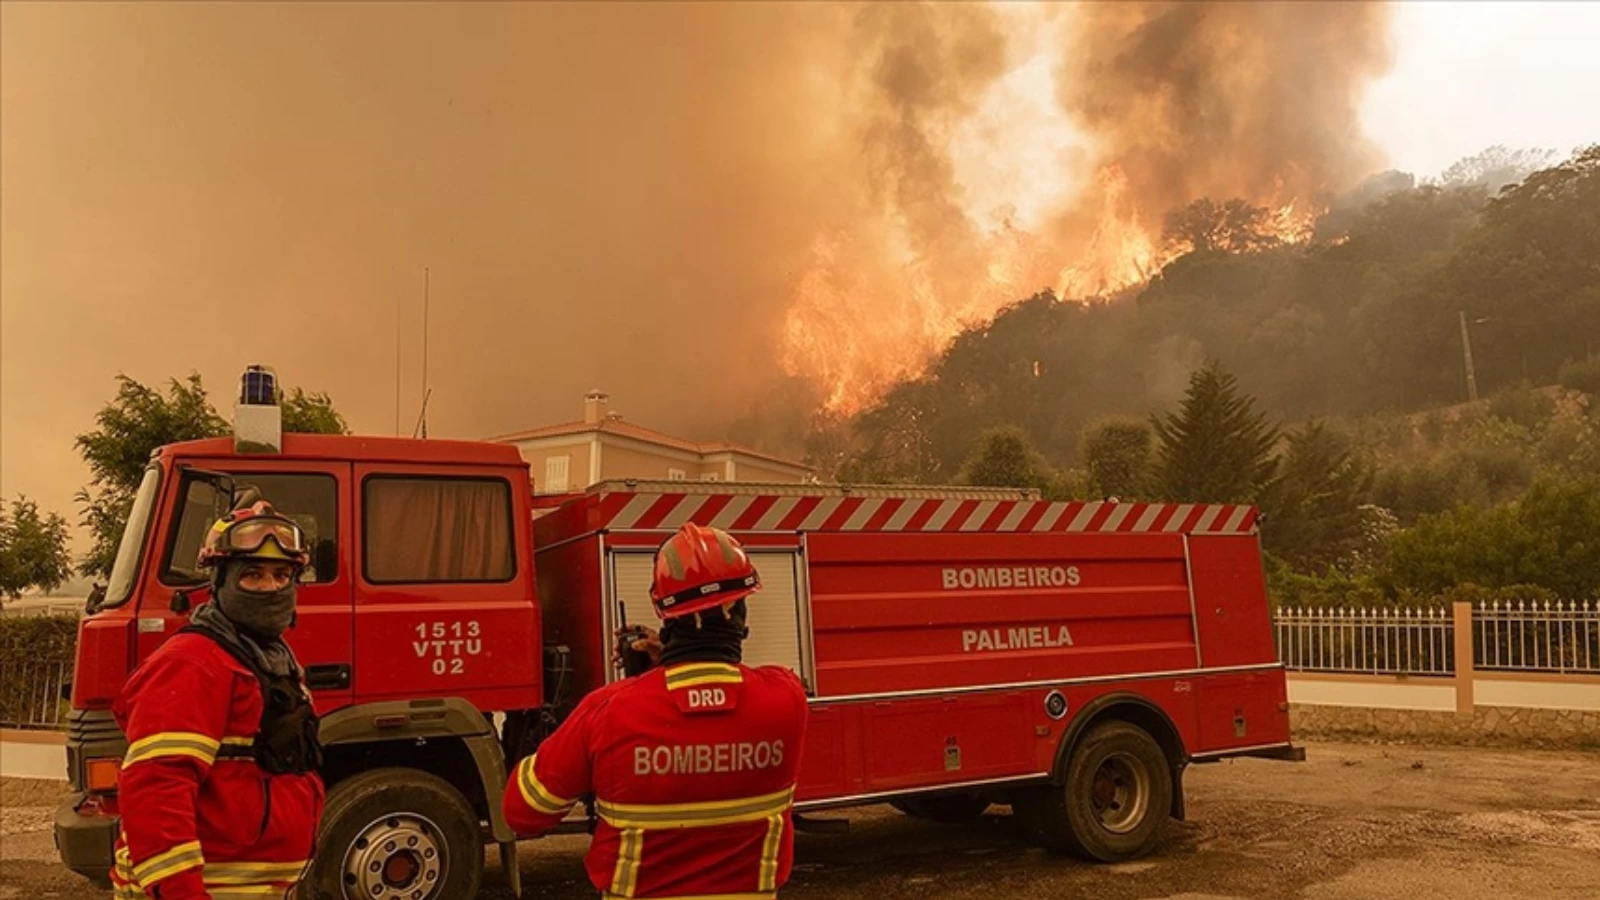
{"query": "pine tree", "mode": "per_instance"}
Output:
(1216, 448)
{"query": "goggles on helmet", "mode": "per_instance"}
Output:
(248, 536)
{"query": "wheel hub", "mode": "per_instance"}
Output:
(397, 857)
(1120, 792)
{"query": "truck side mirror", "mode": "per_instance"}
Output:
(97, 596)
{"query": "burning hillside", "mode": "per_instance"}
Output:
(1013, 149)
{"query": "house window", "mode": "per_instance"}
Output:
(711, 476)
(677, 475)
(555, 474)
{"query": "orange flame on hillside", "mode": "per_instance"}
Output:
(858, 335)
(1093, 122)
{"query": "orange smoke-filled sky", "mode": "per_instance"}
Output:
(630, 197)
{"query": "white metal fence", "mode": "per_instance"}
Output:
(1527, 636)
(1369, 641)
(1546, 636)
(31, 694)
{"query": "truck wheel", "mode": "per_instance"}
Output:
(1116, 798)
(943, 807)
(396, 834)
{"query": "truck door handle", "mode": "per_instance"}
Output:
(334, 676)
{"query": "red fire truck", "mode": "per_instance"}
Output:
(962, 647)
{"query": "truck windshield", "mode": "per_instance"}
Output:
(126, 568)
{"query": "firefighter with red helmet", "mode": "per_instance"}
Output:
(691, 765)
(219, 794)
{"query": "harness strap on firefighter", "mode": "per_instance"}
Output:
(286, 740)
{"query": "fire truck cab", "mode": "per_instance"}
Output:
(961, 647)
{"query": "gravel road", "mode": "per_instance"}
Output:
(1353, 822)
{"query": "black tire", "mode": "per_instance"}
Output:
(1116, 799)
(943, 807)
(415, 828)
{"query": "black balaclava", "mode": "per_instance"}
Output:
(264, 615)
(709, 636)
(253, 621)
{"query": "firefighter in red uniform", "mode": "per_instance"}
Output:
(218, 793)
(692, 764)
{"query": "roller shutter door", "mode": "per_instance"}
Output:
(774, 612)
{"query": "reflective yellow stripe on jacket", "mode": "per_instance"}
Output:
(253, 873)
(165, 865)
(172, 743)
(694, 815)
(633, 820)
(696, 674)
(536, 795)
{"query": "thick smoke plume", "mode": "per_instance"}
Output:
(1223, 100)
(708, 210)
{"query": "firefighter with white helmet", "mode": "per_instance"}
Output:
(219, 793)
(692, 765)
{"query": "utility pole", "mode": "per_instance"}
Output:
(397, 366)
(1466, 355)
(425, 389)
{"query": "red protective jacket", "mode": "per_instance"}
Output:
(199, 817)
(692, 768)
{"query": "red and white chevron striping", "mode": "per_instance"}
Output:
(769, 513)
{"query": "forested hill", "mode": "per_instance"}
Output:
(1365, 318)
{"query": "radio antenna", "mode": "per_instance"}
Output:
(423, 422)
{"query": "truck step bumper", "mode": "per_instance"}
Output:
(86, 843)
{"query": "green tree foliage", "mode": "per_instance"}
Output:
(134, 423)
(33, 549)
(1546, 539)
(1216, 448)
(1582, 375)
(305, 413)
(1526, 280)
(139, 420)
(1005, 458)
(1116, 454)
(1315, 514)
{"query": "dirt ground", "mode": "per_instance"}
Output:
(1352, 822)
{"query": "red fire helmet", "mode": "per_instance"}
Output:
(698, 568)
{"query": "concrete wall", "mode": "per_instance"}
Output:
(33, 754)
(1492, 726)
(1488, 708)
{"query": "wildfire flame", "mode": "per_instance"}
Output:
(858, 336)
(1119, 253)
(1078, 120)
